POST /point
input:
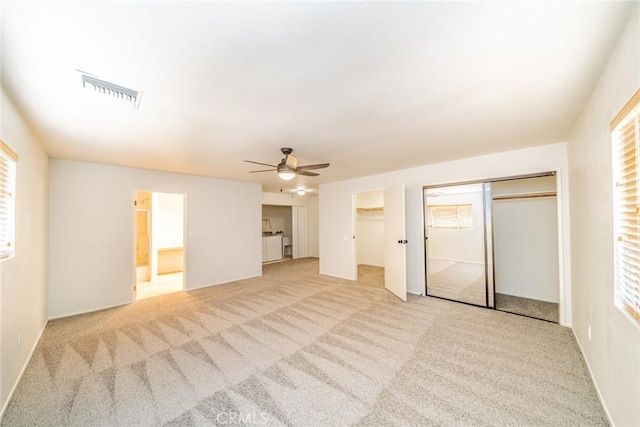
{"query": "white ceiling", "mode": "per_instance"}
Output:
(369, 87)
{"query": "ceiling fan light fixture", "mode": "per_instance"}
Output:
(285, 173)
(288, 167)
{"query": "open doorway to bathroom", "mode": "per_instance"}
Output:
(159, 243)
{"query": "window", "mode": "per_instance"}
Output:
(8, 160)
(449, 216)
(625, 136)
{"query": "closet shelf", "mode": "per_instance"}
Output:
(524, 196)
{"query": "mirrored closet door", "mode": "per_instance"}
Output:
(456, 247)
(494, 244)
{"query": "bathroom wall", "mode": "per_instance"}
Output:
(167, 223)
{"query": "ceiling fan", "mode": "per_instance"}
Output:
(288, 167)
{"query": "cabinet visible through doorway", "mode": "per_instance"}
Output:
(271, 248)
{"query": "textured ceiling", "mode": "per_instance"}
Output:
(368, 87)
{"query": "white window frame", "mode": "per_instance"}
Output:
(625, 138)
(8, 168)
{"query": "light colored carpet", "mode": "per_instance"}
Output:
(528, 307)
(458, 281)
(297, 348)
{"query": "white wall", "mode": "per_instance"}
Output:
(372, 199)
(336, 225)
(167, 220)
(311, 203)
(167, 227)
(23, 278)
(525, 244)
(92, 236)
(613, 353)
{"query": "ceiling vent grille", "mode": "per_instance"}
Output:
(129, 95)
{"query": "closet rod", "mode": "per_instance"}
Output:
(524, 196)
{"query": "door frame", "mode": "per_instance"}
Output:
(133, 288)
(354, 219)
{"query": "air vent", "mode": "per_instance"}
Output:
(129, 95)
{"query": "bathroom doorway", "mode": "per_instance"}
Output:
(159, 225)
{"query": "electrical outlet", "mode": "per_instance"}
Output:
(589, 332)
(19, 340)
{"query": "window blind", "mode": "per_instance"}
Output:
(450, 216)
(626, 170)
(8, 160)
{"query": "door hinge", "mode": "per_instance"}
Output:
(135, 203)
(135, 288)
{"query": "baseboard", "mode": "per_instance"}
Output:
(24, 368)
(456, 260)
(593, 379)
(224, 283)
(91, 310)
(336, 276)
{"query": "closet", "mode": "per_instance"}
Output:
(369, 228)
(494, 244)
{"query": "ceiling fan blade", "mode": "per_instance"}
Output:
(258, 163)
(312, 167)
(266, 170)
(305, 173)
(291, 161)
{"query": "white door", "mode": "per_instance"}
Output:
(299, 231)
(395, 243)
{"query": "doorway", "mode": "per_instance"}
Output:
(284, 232)
(379, 236)
(159, 225)
(494, 244)
(369, 229)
